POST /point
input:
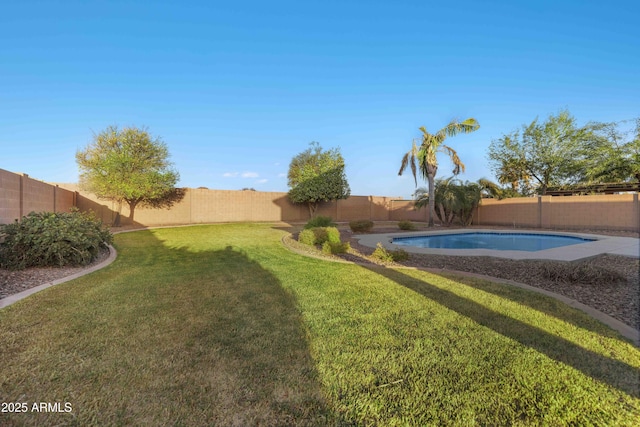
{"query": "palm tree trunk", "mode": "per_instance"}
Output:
(432, 198)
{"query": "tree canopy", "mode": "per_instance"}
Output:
(128, 165)
(546, 153)
(317, 176)
(558, 152)
(612, 154)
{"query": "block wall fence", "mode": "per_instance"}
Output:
(596, 212)
(20, 194)
(199, 206)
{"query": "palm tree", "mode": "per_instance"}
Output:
(425, 156)
(490, 189)
(445, 196)
(513, 171)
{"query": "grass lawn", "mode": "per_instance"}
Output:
(222, 325)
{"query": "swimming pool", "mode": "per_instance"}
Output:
(529, 242)
(591, 245)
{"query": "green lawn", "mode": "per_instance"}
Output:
(222, 325)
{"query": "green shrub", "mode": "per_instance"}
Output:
(335, 248)
(308, 237)
(400, 255)
(406, 225)
(52, 239)
(319, 235)
(385, 255)
(333, 234)
(319, 221)
(361, 226)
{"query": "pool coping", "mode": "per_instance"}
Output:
(601, 244)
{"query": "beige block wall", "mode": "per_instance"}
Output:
(9, 196)
(20, 195)
(613, 212)
(64, 199)
(380, 208)
(205, 206)
(605, 212)
(401, 210)
(518, 212)
(37, 196)
(354, 208)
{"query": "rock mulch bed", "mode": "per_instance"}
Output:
(15, 281)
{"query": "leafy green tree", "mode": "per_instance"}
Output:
(612, 154)
(547, 153)
(317, 176)
(513, 172)
(423, 158)
(128, 165)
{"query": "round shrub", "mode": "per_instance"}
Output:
(321, 235)
(333, 234)
(383, 254)
(52, 239)
(319, 221)
(361, 226)
(335, 247)
(308, 237)
(406, 225)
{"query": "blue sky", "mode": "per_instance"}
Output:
(236, 89)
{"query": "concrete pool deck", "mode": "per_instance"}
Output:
(601, 244)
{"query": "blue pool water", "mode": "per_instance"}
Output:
(497, 241)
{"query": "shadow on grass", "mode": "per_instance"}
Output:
(538, 302)
(261, 354)
(166, 336)
(601, 368)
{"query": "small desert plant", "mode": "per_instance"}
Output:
(52, 239)
(406, 225)
(361, 226)
(335, 247)
(319, 221)
(385, 255)
(582, 273)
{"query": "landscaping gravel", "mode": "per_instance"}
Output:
(15, 281)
